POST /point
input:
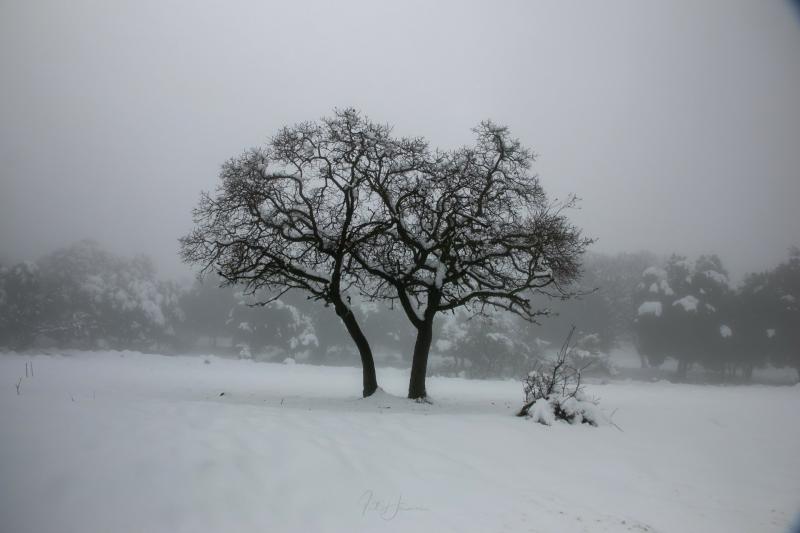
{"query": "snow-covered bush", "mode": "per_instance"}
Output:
(553, 391)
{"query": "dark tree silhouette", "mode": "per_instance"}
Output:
(470, 228)
(342, 204)
(289, 216)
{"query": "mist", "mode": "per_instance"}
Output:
(675, 124)
(452, 266)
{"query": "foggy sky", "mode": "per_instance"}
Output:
(677, 123)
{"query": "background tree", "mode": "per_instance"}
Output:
(486, 346)
(755, 319)
(784, 289)
(654, 297)
(274, 331)
(20, 305)
(91, 295)
(206, 307)
(82, 296)
(714, 337)
(471, 229)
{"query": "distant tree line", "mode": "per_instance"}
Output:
(85, 297)
(688, 311)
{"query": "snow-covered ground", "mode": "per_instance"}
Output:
(118, 442)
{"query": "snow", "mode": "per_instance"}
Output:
(717, 277)
(656, 272)
(301, 323)
(579, 409)
(368, 308)
(649, 308)
(452, 329)
(541, 343)
(688, 302)
(665, 288)
(542, 412)
(244, 350)
(661, 286)
(124, 442)
(443, 345)
(440, 272)
(501, 338)
(725, 331)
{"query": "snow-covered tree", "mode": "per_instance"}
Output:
(93, 294)
(82, 294)
(712, 342)
(608, 305)
(785, 287)
(767, 315)
(686, 311)
(653, 299)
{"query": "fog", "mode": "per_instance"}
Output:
(407, 339)
(676, 123)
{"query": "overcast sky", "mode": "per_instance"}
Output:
(677, 123)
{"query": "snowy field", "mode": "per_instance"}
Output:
(124, 442)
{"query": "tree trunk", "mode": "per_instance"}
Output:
(419, 362)
(367, 362)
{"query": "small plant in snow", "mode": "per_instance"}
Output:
(553, 391)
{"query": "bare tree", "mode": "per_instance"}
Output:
(471, 228)
(341, 204)
(290, 215)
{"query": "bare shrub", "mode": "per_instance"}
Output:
(553, 391)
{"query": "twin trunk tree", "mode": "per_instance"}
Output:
(342, 205)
